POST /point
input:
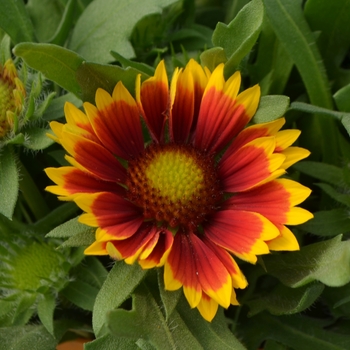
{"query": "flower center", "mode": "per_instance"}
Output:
(175, 184)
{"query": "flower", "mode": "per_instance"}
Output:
(12, 95)
(204, 189)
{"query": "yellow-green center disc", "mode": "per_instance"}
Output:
(175, 175)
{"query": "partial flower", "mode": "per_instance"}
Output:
(31, 271)
(22, 104)
(204, 190)
(12, 96)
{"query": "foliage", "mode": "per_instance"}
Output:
(298, 51)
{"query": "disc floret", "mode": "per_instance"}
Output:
(174, 184)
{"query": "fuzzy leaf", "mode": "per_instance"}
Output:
(270, 108)
(286, 301)
(108, 342)
(238, 37)
(106, 25)
(341, 98)
(68, 229)
(122, 276)
(327, 262)
(343, 198)
(214, 335)
(37, 138)
(144, 321)
(8, 182)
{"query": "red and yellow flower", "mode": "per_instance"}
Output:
(204, 189)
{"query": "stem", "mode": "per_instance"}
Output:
(31, 194)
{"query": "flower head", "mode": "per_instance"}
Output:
(12, 95)
(204, 189)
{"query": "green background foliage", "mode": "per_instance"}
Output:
(297, 51)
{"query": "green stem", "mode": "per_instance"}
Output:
(31, 194)
(55, 218)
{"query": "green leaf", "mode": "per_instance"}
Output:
(328, 223)
(81, 294)
(64, 27)
(80, 239)
(214, 335)
(339, 197)
(286, 301)
(15, 22)
(45, 26)
(5, 49)
(46, 308)
(295, 331)
(341, 98)
(122, 276)
(92, 271)
(327, 262)
(332, 20)
(213, 57)
(69, 229)
(107, 342)
(142, 67)
(169, 298)
(321, 171)
(238, 37)
(106, 25)
(56, 108)
(26, 337)
(56, 63)
(144, 321)
(270, 108)
(92, 76)
(8, 182)
(273, 65)
(291, 28)
(342, 116)
(36, 138)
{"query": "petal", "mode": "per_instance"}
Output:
(293, 155)
(242, 233)
(255, 131)
(238, 279)
(96, 248)
(157, 250)
(181, 113)
(130, 248)
(285, 138)
(207, 307)
(195, 266)
(76, 117)
(285, 241)
(113, 214)
(251, 165)
(220, 116)
(71, 181)
(187, 88)
(297, 216)
(153, 100)
(273, 200)
(95, 158)
(116, 122)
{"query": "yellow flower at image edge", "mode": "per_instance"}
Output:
(176, 203)
(12, 95)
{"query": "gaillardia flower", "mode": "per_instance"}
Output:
(203, 189)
